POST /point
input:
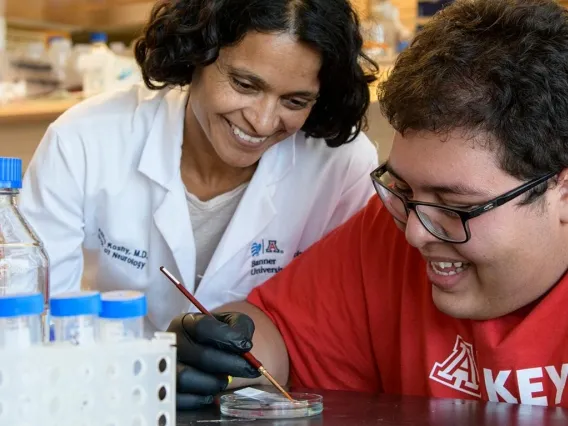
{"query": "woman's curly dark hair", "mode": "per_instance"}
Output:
(182, 35)
(495, 68)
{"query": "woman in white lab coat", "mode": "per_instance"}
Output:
(242, 149)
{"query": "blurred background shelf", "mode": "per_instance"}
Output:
(75, 17)
(129, 16)
(125, 15)
(34, 110)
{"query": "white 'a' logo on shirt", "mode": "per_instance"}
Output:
(458, 371)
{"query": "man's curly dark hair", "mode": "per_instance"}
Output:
(495, 68)
(182, 35)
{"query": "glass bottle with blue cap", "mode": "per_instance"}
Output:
(122, 316)
(75, 316)
(20, 320)
(24, 265)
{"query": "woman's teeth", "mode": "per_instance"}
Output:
(241, 134)
(448, 268)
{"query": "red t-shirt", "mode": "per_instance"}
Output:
(356, 313)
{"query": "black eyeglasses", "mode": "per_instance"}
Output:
(445, 223)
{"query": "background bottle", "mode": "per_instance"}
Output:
(97, 66)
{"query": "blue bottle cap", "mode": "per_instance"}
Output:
(75, 303)
(123, 304)
(10, 173)
(15, 305)
(99, 38)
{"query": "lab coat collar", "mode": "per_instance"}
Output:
(160, 159)
(255, 212)
(278, 161)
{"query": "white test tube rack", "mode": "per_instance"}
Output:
(108, 384)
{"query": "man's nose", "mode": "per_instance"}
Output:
(416, 234)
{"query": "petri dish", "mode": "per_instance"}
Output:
(305, 405)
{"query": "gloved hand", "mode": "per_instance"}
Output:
(208, 352)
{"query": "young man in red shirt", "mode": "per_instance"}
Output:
(451, 282)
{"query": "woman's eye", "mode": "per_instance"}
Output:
(297, 103)
(242, 85)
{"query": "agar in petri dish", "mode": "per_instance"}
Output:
(305, 405)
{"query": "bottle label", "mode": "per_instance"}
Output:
(78, 330)
(112, 331)
(81, 334)
(4, 275)
(4, 279)
(17, 275)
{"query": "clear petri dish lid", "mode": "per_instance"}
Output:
(273, 407)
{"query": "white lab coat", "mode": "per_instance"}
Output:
(105, 179)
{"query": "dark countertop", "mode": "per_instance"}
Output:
(356, 409)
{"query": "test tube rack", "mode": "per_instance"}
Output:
(107, 384)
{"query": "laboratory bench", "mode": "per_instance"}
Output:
(360, 409)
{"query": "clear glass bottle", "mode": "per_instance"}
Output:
(24, 265)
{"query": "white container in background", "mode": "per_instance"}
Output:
(122, 316)
(59, 53)
(74, 77)
(75, 317)
(126, 69)
(20, 320)
(97, 66)
(118, 48)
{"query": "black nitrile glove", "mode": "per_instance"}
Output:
(208, 352)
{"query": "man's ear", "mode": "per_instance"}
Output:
(562, 188)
